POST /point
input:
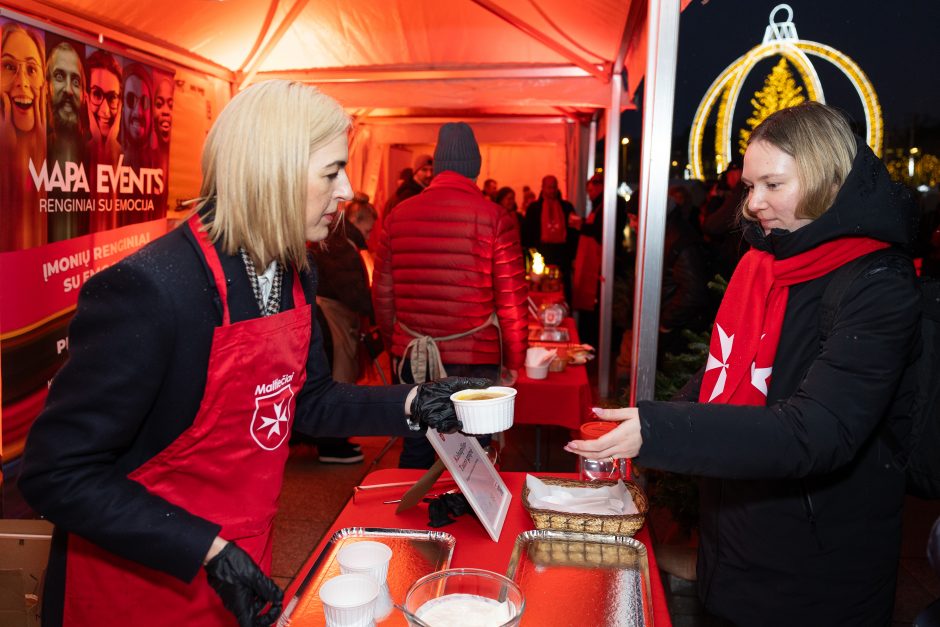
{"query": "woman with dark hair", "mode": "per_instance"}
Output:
(506, 198)
(800, 517)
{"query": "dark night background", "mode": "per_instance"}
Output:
(895, 42)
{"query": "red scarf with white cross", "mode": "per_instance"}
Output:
(747, 328)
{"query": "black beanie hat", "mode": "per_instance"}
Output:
(457, 150)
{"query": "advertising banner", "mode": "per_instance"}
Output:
(84, 163)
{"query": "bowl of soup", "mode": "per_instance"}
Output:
(489, 410)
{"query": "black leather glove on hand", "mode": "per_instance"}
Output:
(432, 405)
(243, 588)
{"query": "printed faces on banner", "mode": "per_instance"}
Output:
(85, 135)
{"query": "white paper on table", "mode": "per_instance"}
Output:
(607, 500)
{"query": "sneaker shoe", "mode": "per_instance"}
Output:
(340, 454)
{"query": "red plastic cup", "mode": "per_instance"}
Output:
(595, 429)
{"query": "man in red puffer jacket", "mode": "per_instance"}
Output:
(449, 286)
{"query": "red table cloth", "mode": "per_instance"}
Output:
(474, 548)
(563, 398)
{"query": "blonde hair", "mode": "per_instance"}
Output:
(821, 142)
(255, 167)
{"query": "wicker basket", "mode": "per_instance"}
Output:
(623, 524)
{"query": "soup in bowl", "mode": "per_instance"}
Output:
(485, 411)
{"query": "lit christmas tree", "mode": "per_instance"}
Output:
(779, 92)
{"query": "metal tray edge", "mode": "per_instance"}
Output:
(362, 532)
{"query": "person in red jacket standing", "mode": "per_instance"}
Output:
(448, 287)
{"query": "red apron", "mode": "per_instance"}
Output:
(227, 467)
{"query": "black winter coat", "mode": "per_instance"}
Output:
(801, 506)
(138, 361)
(343, 276)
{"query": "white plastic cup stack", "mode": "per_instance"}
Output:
(349, 600)
(365, 557)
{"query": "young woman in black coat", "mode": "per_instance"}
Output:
(160, 451)
(801, 498)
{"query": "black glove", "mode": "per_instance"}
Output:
(243, 588)
(432, 405)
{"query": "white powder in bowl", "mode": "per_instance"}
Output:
(465, 610)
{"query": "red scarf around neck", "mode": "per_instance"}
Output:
(553, 222)
(747, 328)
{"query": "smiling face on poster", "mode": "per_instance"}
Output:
(163, 109)
(65, 185)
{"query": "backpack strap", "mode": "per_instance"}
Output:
(842, 279)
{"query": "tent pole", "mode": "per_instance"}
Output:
(658, 100)
(591, 158)
(611, 168)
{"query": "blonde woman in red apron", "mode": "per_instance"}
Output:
(160, 452)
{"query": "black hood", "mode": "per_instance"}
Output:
(869, 204)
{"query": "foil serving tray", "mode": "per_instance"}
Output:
(582, 579)
(415, 553)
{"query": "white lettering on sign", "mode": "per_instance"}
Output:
(126, 180)
(266, 388)
(73, 179)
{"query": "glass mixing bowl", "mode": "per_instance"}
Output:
(466, 597)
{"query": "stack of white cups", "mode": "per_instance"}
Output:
(359, 596)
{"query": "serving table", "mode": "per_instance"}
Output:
(563, 398)
(473, 548)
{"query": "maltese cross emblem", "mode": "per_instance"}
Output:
(270, 424)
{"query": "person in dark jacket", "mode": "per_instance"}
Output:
(344, 298)
(160, 452)
(551, 226)
(415, 184)
(800, 517)
(586, 269)
(684, 302)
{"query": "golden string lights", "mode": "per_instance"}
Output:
(780, 39)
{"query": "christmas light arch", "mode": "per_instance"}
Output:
(780, 39)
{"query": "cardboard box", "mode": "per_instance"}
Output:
(24, 550)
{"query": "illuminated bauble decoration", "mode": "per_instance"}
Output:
(780, 38)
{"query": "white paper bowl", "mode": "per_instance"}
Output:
(349, 600)
(365, 557)
(485, 416)
(537, 372)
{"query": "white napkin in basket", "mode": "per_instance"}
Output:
(608, 500)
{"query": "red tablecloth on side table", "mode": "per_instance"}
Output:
(563, 398)
(474, 548)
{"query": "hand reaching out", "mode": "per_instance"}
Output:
(622, 442)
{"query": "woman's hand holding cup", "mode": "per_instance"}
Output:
(622, 442)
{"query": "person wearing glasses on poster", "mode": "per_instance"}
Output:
(103, 78)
